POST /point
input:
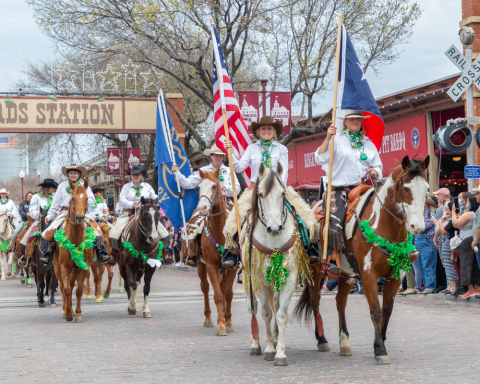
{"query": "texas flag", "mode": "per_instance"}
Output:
(354, 92)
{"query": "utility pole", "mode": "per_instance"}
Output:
(470, 149)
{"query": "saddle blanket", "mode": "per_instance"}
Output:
(350, 225)
(194, 227)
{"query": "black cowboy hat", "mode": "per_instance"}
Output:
(137, 169)
(267, 120)
(97, 189)
(48, 183)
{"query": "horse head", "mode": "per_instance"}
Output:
(210, 191)
(269, 199)
(149, 220)
(410, 188)
(79, 202)
(3, 221)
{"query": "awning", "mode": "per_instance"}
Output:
(305, 173)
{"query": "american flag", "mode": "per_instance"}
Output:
(224, 100)
(8, 142)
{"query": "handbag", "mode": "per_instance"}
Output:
(455, 241)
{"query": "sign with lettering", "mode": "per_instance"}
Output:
(133, 157)
(249, 107)
(113, 161)
(281, 109)
(470, 76)
(457, 58)
(472, 172)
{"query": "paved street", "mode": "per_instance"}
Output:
(428, 342)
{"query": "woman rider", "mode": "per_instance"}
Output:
(59, 210)
(99, 209)
(130, 200)
(23, 211)
(269, 152)
(42, 199)
(354, 156)
(217, 157)
(8, 205)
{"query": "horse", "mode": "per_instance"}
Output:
(44, 274)
(141, 253)
(6, 232)
(272, 270)
(27, 269)
(66, 269)
(397, 206)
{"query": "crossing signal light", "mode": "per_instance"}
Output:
(454, 138)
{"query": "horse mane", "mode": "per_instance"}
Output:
(269, 177)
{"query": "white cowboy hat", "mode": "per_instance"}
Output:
(352, 114)
(75, 167)
(3, 190)
(213, 151)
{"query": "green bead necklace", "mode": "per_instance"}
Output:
(356, 141)
(266, 156)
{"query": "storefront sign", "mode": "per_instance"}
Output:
(281, 109)
(113, 161)
(248, 101)
(133, 157)
(472, 172)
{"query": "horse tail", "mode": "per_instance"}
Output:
(303, 310)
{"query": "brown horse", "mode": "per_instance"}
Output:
(23, 269)
(398, 205)
(66, 269)
(212, 205)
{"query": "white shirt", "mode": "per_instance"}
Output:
(253, 157)
(62, 199)
(118, 207)
(128, 196)
(348, 169)
(11, 209)
(97, 211)
(36, 203)
(194, 180)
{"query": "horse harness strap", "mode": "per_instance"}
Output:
(284, 248)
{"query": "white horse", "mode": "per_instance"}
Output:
(6, 232)
(274, 229)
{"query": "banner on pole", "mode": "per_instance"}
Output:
(133, 157)
(113, 161)
(281, 109)
(249, 107)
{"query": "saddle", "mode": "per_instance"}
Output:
(32, 234)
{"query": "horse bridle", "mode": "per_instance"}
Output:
(212, 203)
(75, 217)
(6, 222)
(262, 215)
(139, 222)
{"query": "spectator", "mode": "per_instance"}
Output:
(469, 271)
(476, 230)
(24, 206)
(177, 248)
(462, 199)
(312, 200)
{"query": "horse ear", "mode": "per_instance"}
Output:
(201, 173)
(217, 172)
(142, 200)
(85, 184)
(279, 169)
(261, 170)
(425, 162)
(405, 162)
(72, 186)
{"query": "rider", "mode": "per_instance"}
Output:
(217, 157)
(42, 199)
(8, 205)
(130, 200)
(354, 156)
(23, 211)
(59, 210)
(99, 210)
(269, 151)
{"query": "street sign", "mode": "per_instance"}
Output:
(457, 58)
(470, 76)
(472, 172)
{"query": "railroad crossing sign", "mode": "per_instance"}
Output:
(470, 75)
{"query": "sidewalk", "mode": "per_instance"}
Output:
(441, 298)
(181, 269)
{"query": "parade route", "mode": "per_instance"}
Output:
(428, 342)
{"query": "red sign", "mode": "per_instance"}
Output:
(406, 136)
(281, 109)
(308, 171)
(113, 161)
(249, 107)
(292, 167)
(133, 157)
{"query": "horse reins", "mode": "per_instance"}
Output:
(262, 215)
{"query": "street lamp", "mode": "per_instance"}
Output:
(123, 138)
(263, 73)
(38, 174)
(22, 175)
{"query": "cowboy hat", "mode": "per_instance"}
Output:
(267, 120)
(352, 114)
(137, 169)
(75, 167)
(430, 202)
(213, 151)
(48, 183)
(475, 190)
(97, 189)
(3, 190)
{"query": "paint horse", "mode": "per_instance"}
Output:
(6, 232)
(142, 252)
(397, 207)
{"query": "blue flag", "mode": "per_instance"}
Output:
(168, 196)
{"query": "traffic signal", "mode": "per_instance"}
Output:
(454, 138)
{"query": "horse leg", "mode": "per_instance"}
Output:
(106, 294)
(121, 284)
(202, 274)
(86, 286)
(97, 282)
(78, 293)
(131, 287)
(213, 274)
(2, 262)
(40, 281)
(265, 296)
(344, 287)
(255, 348)
(51, 285)
(146, 290)
(322, 343)
(276, 305)
(229, 278)
(66, 292)
(9, 264)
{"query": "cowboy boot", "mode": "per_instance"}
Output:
(22, 261)
(101, 251)
(11, 246)
(230, 257)
(47, 251)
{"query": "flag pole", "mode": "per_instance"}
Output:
(332, 142)
(227, 135)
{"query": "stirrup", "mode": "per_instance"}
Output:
(22, 261)
(233, 261)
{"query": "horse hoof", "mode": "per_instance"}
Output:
(3, 279)
(64, 316)
(230, 328)
(106, 296)
(9, 273)
(324, 347)
(382, 360)
(281, 362)
(22, 281)
(53, 305)
(255, 351)
(208, 324)
(13, 276)
(147, 315)
(88, 297)
(121, 290)
(132, 311)
(98, 300)
(29, 285)
(79, 319)
(269, 356)
(221, 332)
(42, 305)
(69, 318)
(346, 351)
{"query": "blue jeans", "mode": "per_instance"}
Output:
(478, 258)
(18, 229)
(428, 258)
(418, 269)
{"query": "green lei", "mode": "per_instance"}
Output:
(276, 272)
(76, 253)
(265, 148)
(356, 141)
(49, 201)
(399, 252)
(98, 200)
(130, 248)
(137, 189)
(68, 186)
(4, 202)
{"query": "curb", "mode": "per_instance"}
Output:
(442, 298)
(180, 269)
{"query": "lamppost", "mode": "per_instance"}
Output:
(263, 73)
(22, 175)
(123, 138)
(38, 174)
